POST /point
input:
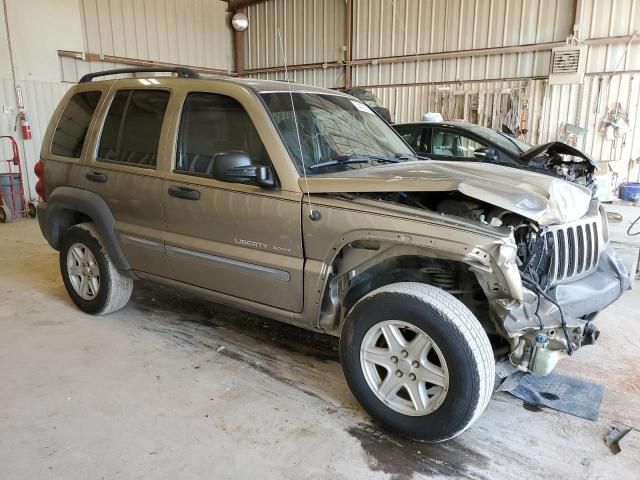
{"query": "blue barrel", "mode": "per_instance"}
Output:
(5, 188)
(630, 192)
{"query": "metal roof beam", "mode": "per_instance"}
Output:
(235, 5)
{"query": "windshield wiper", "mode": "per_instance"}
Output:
(356, 158)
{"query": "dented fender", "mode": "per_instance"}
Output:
(370, 237)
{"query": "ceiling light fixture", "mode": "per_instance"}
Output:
(239, 22)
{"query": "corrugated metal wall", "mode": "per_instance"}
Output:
(609, 18)
(312, 32)
(71, 69)
(587, 106)
(456, 101)
(181, 32)
(437, 28)
(385, 28)
(331, 77)
(7, 119)
(188, 32)
(41, 99)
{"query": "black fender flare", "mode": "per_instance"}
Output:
(66, 200)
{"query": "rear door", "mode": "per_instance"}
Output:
(235, 239)
(124, 171)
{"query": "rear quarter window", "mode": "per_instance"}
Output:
(71, 131)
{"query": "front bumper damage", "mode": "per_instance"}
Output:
(534, 327)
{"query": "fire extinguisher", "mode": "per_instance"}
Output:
(25, 126)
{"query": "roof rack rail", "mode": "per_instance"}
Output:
(182, 72)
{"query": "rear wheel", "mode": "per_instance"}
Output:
(418, 361)
(91, 278)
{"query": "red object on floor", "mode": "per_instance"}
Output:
(13, 196)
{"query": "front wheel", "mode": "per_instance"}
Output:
(418, 361)
(91, 278)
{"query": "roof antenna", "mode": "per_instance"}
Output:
(313, 214)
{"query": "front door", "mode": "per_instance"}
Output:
(449, 144)
(235, 239)
(414, 135)
(124, 172)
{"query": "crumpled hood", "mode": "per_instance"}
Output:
(557, 148)
(541, 198)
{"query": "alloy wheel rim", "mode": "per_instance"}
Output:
(83, 271)
(404, 368)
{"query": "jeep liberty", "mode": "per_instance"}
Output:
(301, 204)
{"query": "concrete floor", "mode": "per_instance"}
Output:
(176, 387)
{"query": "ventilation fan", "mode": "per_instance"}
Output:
(567, 65)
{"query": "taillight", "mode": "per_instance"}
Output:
(39, 171)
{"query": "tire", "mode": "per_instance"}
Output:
(5, 214)
(32, 209)
(449, 381)
(83, 257)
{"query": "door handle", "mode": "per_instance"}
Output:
(96, 177)
(183, 192)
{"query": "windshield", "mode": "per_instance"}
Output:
(333, 128)
(504, 141)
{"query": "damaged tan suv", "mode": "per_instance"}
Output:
(303, 205)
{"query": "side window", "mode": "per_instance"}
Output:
(452, 144)
(131, 131)
(73, 125)
(211, 124)
(413, 136)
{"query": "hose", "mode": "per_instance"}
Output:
(631, 226)
(536, 286)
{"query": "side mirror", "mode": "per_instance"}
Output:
(237, 167)
(486, 154)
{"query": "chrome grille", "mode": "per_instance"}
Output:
(583, 247)
(571, 249)
(590, 246)
(575, 248)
